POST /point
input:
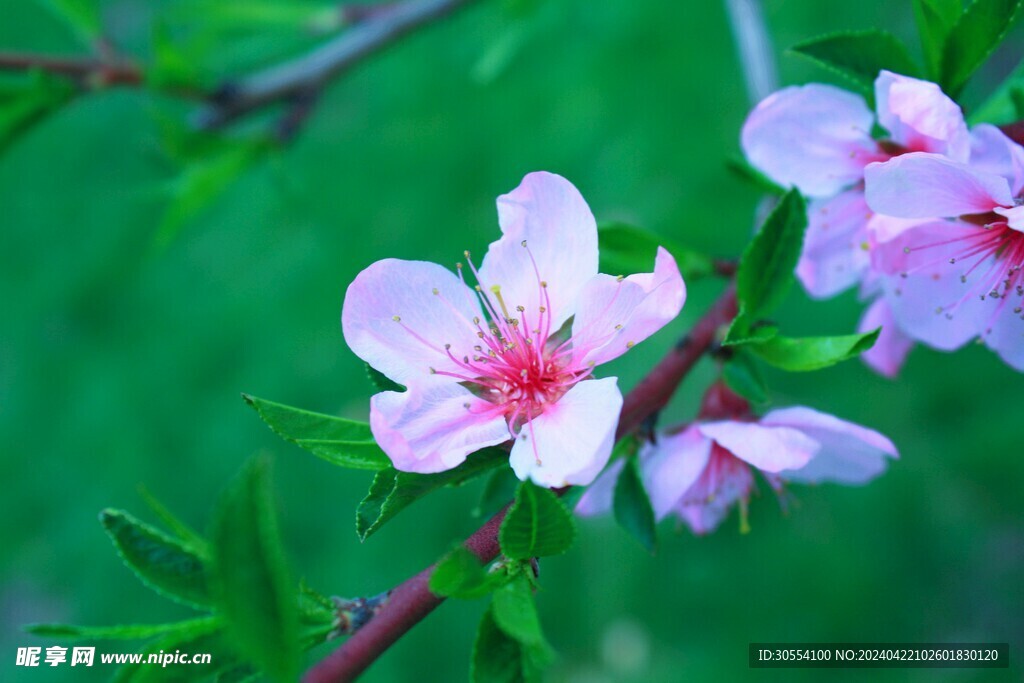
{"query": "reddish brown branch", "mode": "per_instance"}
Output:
(87, 70)
(411, 601)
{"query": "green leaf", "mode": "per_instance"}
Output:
(742, 375)
(973, 39)
(161, 562)
(743, 170)
(1003, 106)
(199, 636)
(460, 575)
(626, 249)
(498, 658)
(744, 330)
(28, 102)
(813, 353)
(515, 613)
(345, 443)
(81, 16)
(537, 525)
(935, 19)
(250, 578)
(632, 506)
(184, 532)
(380, 381)
(119, 632)
(392, 491)
(859, 56)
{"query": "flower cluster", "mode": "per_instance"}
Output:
(511, 357)
(699, 472)
(921, 213)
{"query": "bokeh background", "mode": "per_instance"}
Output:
(122, 364)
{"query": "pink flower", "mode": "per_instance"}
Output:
(700, 473)
(949, 282)
(818, 139)
(508, 357)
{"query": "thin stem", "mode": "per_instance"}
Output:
(89, 69)
(412, 600)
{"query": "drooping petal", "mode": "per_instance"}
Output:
(612, 315)
(892, 346)
(433, 426)
(1005, 335)
(600, 495)
(550, 215)
(920, 185)
(835, 253)
(850, 453)
(815, 137)
(672, 467)
(770, 449)
(993, 152)
(571, 441)
(406, 349)
(703, 518)
(919, 116)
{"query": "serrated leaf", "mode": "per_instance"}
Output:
(977, 34)
(161, 562)
(742, 375)
(380, 381)
(460, 575)
(28, 102)
(81, 16)
(118, 632)
(537, 525)
(935, 19)
(249, 576)
(765, 271)
(392, 491)
(346, 443)
(632, 506)
(498, 658)
(515, 613)
(801, 354)
(859, 56)
(627, 249)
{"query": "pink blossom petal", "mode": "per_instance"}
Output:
(405, 350)
(571, 441)
(672, 467)
(561, 235)
(885, 228)
(835, 254)
(429, 428)
(850, 453)
(600, 495)
(613, 314)
(920, 185)
(886, 357)
(993, 152)
(703, 518)
(1014, 217)
(1005, 336)
(815, 137)
(770, 449)
(919, 116)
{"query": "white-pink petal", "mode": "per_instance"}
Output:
(886, 357)
(406, 349)
(1006, 334)
(768, 448)
(600, 495)
(612, 315)
(549, 214)
(673, 466)
(835, 253)
(814, 137)
(918, 115)
(849, 454)
(433, 427)
(920, 185)
(570, 442)
(993, 152)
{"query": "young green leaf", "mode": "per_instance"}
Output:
(119, 632)
(935, 19)
(250, 578)
(972, 40)
(460, 575)
(742, 375)
(498, 658)
(803, 354)
(626, 249)
(161, 562)
(345, 443)
(859, 56)
(515, 613)
(537, 525)
(28, 102)
(380, 381)
(184, 532)
(81, 16)
(392, 491)
(632, 506)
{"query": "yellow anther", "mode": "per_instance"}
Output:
(619, 326)
(432, 371)
(543, 309)
(620, 278)
(466, 406)
(466, 253)
(476, 320)
(396, 318)
(544, 284)
(523, 243)
(630, 344)
(436, 291)
(521, 309)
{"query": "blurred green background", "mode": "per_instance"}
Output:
(122, 365)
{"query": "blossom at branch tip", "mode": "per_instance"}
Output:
(701, 472)
(512, 356)
(950, 281)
